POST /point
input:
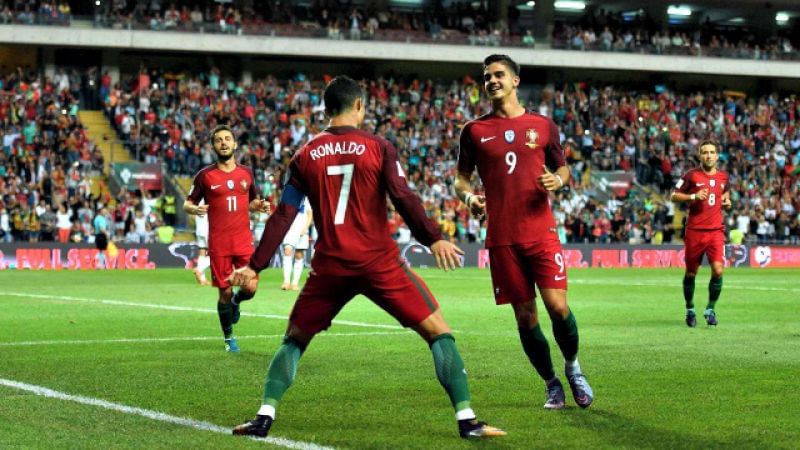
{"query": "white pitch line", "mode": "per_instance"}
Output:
(654, 283)
(177, 339)
(677, 285)
(184, 308)
(150, 414)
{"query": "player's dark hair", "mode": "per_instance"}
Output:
(219, 128)
(708, 142)
(340, 94)
(504, 60)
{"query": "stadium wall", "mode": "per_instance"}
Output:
(381, 51)
(56, 256)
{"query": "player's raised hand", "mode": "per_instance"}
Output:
(448, 256)
(702, 194)
(477, 206)
(242, 276)
(549, 180)
(201, 210)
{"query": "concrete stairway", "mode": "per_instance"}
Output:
(102, 133)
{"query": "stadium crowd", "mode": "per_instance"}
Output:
(457, 23)
(460, 23)
(605, 32)
(48, 167)
(47, 162)
(649, 135)
(36, 12)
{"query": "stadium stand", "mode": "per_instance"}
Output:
(649, 135)
(646, 134)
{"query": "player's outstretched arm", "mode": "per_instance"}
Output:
(260, 205)
(448, 255)
(242, 276)
(276, 227)
(406, 201)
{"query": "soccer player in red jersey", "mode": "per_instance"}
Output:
(707, 192)
(519, 159)
(346, 174)
(230, 195)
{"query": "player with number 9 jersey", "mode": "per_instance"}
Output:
(510, 155)
(519, 160)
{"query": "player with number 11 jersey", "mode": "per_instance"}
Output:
(228, 195)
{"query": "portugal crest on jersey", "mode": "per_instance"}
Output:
(509, 135)
(531, 136)
(244, 184)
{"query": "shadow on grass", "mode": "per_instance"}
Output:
(614, 430)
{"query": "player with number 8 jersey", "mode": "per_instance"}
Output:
(706, 190)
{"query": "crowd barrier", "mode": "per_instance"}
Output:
(57, 256)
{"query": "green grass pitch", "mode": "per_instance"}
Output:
(150, 339)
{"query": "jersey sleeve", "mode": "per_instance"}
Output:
(198, 189)
(466, 152)
(252, 193)
(554, 154)
(405, 200)
(279, 223)
(726, 186)
(683, 184)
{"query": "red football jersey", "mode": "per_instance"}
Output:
(228, 196)
(346, 174)
(510, 155)
(705, 214)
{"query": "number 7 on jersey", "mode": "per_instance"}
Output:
(344, 192)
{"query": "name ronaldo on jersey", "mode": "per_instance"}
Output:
(337, 148)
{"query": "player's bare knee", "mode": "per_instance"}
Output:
(299, 336)
(433, 325)
(716, 272)
(248, 291)
(558, 310)
(225, 295)
(526, 315)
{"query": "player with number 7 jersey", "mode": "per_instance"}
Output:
(346, 175)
